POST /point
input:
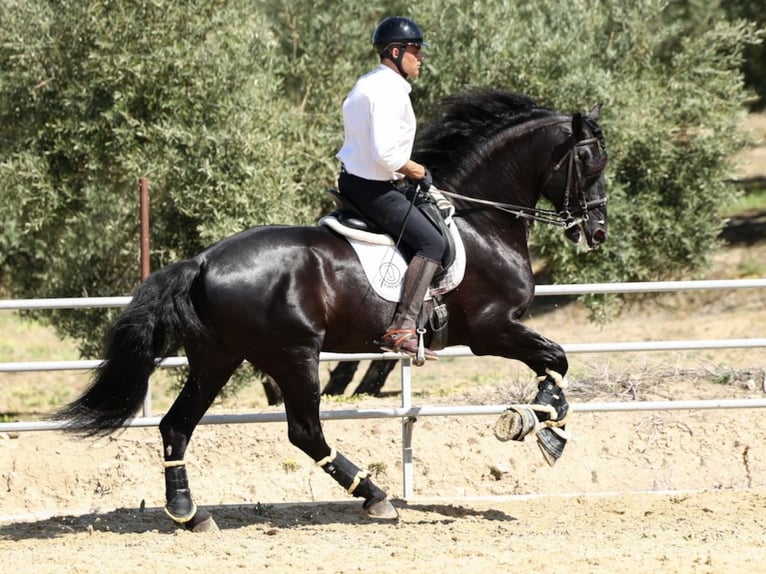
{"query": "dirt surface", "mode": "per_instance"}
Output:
(647, 491)
(635, 492)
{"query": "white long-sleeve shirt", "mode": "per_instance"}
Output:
(379, 126)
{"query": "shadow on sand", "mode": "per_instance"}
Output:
(269, 517)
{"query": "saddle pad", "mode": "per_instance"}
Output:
(385, 266)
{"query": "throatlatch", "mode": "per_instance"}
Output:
(546, 416)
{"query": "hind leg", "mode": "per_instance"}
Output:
(340, 377)
(297, 374)
(375, 377)
(207, 376)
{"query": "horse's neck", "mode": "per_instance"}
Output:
(511, 166)
(523, 153)
(494, 241)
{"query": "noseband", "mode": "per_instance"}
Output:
(576, 205)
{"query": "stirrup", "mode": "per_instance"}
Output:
(406, 341)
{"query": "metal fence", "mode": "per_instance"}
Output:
(409, 412)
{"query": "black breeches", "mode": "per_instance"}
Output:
(385, 205)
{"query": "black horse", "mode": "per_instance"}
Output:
(372, 382)
(277, 296)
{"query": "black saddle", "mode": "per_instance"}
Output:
(350, 216)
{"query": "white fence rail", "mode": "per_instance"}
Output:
(409, 412)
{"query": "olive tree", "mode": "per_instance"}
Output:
(94, 95)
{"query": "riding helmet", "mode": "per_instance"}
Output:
(396, 29)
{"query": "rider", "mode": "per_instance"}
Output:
(379, 129)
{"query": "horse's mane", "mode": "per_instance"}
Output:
(467, 123)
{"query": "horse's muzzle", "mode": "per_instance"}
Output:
(594, 231)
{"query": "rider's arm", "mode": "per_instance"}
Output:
(413, 170)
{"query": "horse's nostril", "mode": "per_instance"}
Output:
(599, 236)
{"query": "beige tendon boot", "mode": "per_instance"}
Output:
(401, 336)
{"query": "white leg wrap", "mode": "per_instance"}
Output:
(360, 476)
(558, 378)
(328, 459)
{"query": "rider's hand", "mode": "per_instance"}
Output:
(426, 182)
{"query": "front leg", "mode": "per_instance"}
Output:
(552, 410)
(548, 412)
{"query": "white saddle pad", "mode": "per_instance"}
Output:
(385, 266)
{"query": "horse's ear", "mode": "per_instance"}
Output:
(595, 112)
(577, 124)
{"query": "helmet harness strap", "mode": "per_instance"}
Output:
(386, 53)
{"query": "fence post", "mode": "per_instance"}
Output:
(143, 186)
(408, 424)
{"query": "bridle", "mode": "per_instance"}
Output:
(576, 205)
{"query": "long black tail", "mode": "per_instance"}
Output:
(159, 317)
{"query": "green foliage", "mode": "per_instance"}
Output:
(754, 64)
(232, 110)
(97, 94)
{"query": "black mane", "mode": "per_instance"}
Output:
(469, 121)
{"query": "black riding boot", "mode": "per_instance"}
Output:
(401, 336)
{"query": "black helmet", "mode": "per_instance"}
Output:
(396, 29)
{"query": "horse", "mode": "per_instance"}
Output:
(371, 384)
(277, 296)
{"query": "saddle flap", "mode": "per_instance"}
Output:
(384, 265)
(434, 206)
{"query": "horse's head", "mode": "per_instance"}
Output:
(575, 183)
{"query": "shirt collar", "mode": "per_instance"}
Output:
(404, 83)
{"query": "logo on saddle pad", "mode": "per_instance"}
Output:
(384, 265)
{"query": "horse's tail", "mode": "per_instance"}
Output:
(159, 317)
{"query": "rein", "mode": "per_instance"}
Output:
(574, 176)
(520, 211)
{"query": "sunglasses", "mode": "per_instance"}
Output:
(416, 48)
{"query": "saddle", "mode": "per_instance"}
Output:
(351, 223)
(434, 206)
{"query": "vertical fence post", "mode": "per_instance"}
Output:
(143, 185)
(408, 424)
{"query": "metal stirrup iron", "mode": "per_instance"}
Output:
(420, 357)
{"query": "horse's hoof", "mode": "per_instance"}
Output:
(206, 525)
(515, 424)
(201, 522)
(381, 510)
(552, 441)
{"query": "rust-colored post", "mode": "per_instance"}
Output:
(143, 184)
(144, 189)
